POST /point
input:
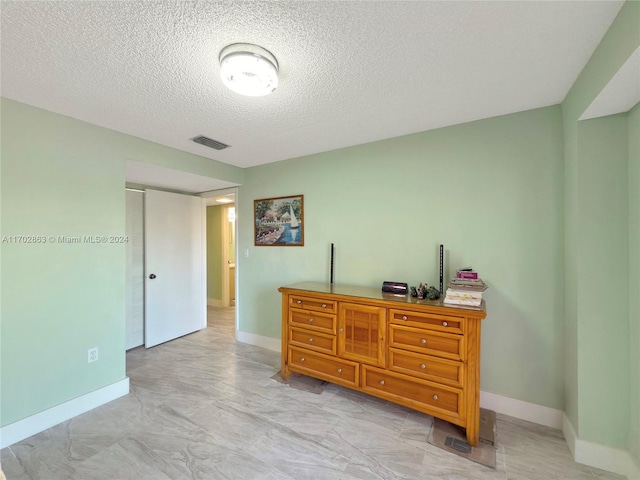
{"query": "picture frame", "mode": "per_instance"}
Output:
(279, 221)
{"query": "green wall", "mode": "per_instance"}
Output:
(602, 307)
(63, 177)
(490, 191)
(214, 253)
(50, 318)
(634, 279)
(586, 378)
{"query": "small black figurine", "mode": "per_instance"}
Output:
(433, 293)
(414, 292)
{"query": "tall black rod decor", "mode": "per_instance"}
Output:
(332, 263)
(441, 269)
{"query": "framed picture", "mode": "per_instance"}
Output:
(279, 222)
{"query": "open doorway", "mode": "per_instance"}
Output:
(221, 260)
(165, 274)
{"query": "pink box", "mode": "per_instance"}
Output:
(467, 274)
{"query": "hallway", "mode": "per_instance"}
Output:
(222, 319)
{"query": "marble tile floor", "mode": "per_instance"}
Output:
(205, 407)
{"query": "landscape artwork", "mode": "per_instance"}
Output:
(279, 222)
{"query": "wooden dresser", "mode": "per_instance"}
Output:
(417, 353)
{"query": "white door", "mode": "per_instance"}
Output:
(175, 303)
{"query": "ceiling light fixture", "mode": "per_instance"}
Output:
(248, 69)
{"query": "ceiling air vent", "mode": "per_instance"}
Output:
(209, 142)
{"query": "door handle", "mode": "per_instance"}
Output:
(152, 276)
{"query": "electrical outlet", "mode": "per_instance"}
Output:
(93, 355)
(246, 253)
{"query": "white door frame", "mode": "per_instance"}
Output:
(226, 240)
(208, 196)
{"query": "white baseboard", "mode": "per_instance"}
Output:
(269, 343)
(588, 453)
(569, 434)
(17, 431)
(214, 302)
(549, 417)
(599, 456)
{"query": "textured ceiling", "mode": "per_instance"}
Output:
(350, 72)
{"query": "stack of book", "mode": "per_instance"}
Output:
(465, 289)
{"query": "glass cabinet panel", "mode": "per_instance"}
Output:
(361, 333)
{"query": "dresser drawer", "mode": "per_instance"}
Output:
(312, 303)
(443, 323)
(321, 366)
(412, 392)
(321, 342)
(427, 341)
(440, 370)
(322, 322)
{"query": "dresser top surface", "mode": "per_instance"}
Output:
(374, 294)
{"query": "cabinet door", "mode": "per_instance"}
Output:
(362, 332)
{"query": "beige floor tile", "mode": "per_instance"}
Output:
(205, 407)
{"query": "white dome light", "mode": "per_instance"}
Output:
(248, 69)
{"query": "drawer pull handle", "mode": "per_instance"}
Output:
(324, 305)
(339, 370)
(341, 330)
(423, 341)
(404, 317)
(299, 302)
(310, 340)
(310, 320)
(302, 359)
(381, 382)
(444, 324)
(423, 366)
(435, 397)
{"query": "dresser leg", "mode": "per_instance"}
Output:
(472, 387)
(284, 366)
(472, 436)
